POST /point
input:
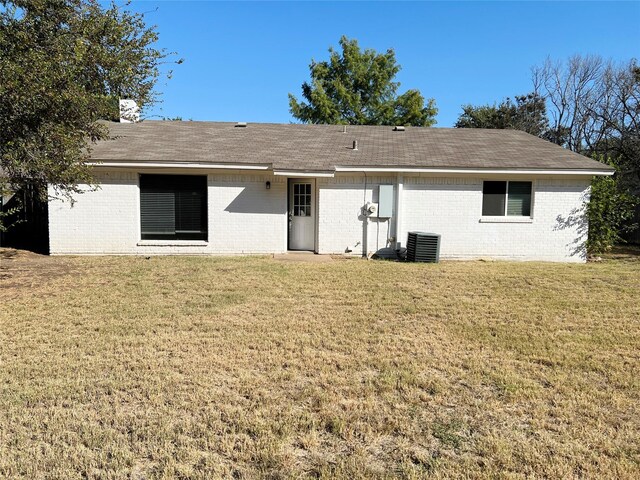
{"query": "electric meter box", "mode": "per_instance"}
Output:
(385, 201)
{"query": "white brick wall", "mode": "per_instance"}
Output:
(452, 207)
(101, 221)
(245, 217)
(341, 225)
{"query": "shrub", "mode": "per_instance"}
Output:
(610, 211)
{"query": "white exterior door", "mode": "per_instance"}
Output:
(302, 213)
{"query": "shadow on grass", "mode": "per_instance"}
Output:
(625, 253)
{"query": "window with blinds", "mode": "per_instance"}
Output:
(519, 199)
(173, 207)
(506, 198)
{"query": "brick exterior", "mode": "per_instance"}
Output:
(341, 224)
(453, 208)
(246, 218)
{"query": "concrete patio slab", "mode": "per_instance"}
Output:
(302, 257)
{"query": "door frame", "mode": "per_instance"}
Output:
(314, 209)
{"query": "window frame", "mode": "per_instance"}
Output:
(190, 239)
(504, 217)
(302, 199)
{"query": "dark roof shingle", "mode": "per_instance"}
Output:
(324, 147)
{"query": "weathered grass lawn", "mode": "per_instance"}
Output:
(247, 367)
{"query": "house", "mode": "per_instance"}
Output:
(226, 188)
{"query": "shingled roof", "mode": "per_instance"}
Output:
(323, 148)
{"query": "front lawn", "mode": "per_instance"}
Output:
(123, 367)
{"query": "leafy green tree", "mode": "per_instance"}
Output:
(64, 65)
(357, 87)
(481, 116)
(610, 210)
(526, 113)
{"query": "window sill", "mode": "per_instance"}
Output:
(506, 219)
(172, 243)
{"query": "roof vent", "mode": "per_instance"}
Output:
(398, 128)
(241, 125)
(344, 129)
(355, 144)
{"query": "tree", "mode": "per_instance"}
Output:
(610, 210)
(527, 113)
(357, 87)
(481, 116)
(64, 65)
(594, 106)
(595, 110)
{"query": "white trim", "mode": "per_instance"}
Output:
(295, 174)
(168, 243)
(398, 207)
(138, 209)
(325, 174)
(316, 223)
(517, 219)
(222, 166)
(172, 243)
(511, 171)
(505, 219)
(314, 210)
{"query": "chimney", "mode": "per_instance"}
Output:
(129, 111)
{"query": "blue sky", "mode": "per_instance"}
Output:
(242, 58)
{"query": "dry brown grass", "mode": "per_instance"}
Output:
(246, 367)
